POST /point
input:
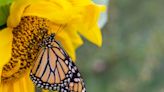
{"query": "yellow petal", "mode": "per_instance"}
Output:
(48, 91)
(5, 45)
(28, 84)
(16, 11)
(93, 35)
(17, 86)
(71, 30)
(23, 85)
(6, 87)
(91, 14)
(1, 68)
(43, 90)
(66, 43)
(80, 2)
(58, 11)
(75, 38)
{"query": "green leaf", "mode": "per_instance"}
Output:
(4, 12)
(5, 2)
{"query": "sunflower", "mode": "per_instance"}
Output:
(19, 40)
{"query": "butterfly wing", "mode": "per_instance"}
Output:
(76, 83)
(52, 68)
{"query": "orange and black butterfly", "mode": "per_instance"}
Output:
(54, 69)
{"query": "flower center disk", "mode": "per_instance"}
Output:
(26, 37)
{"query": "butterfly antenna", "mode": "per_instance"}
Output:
(52, 35)
(60, 28)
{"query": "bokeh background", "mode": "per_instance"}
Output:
(132, 56)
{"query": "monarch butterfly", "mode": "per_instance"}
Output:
(54, 70)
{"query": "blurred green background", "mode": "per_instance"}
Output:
(131, 58)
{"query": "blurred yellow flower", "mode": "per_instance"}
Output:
(19, 40)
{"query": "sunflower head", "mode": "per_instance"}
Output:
(30, 20)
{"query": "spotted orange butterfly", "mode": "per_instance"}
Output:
(54, 70)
